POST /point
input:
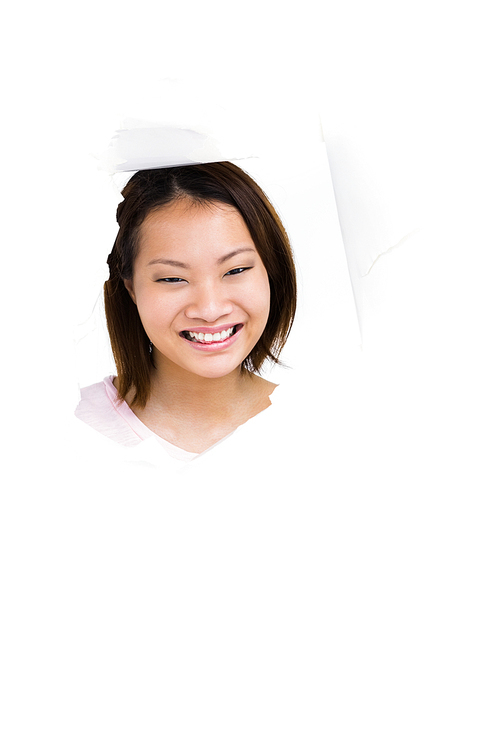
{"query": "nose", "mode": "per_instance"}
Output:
(209, 303)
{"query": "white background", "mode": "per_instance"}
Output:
(408, 97)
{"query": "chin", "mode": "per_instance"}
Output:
(210, 365)
(212, 373)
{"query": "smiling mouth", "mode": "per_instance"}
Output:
(211, 338)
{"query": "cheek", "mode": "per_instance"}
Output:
(254, 299)
(152, 307)
(263, 295)
(256, 302)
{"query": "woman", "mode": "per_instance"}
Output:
(202, 291)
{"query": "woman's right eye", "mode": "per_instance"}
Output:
(171, 280)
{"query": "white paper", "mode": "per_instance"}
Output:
(340, 589)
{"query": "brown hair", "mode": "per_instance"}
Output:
(203, 183)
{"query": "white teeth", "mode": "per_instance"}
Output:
(209, 337)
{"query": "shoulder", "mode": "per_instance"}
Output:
(264, 387)
(96, 396)
(99, 407)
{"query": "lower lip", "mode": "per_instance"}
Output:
(215, 346)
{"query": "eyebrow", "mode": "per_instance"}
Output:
(178, 264)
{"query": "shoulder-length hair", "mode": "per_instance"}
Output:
(204, 184)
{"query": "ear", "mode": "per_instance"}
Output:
(130, 289)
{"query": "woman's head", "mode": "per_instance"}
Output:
(186, 210)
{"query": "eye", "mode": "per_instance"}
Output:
(237, 271)
(171, 280)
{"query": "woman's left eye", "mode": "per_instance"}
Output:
(237, 271)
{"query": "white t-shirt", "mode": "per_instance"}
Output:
(101, 409)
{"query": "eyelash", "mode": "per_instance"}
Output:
(234, 272)
(240, 270)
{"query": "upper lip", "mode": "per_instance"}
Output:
(217, 329)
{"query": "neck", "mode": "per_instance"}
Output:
(190, 397)
(193, 412)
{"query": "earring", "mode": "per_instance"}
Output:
(150, 347)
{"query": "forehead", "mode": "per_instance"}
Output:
(185, 225)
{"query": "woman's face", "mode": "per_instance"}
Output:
(201, 289)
